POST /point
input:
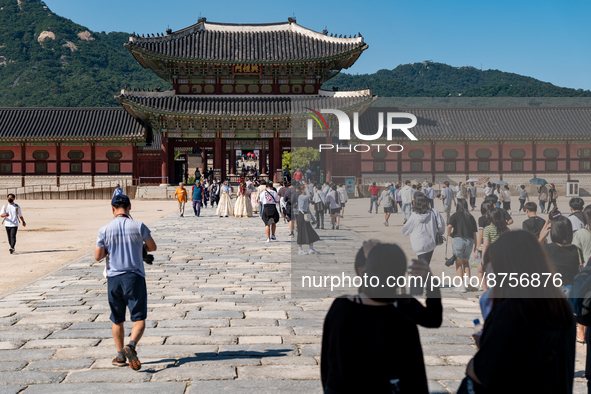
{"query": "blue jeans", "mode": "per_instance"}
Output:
(404, 208)
(542, 205)
(197, 207)
(373, 200)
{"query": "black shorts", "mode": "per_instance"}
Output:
(127, 291)
(335, 211)
(388, 209)
(270, 215)
(342, 205)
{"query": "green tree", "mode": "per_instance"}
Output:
(301, 158)
(286, 160)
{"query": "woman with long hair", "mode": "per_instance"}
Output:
(542, 358)
(497, 192)
(254, 196)
(362, 332)
(243, 206)
(462, 228)
(506, 194)
(306, 234)
(496, 228)
(565, 257)
(423, 227)
(552, 197)
(542, 197)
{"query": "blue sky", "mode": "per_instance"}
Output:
(547, 40)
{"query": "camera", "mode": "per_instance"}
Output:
(148, 258)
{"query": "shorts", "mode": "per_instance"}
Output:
(342, 205)
(270, 215)
(334, 211)
(507, 205)
(462, 247)
(127, 291)
(388, 209)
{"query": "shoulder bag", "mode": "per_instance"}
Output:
(439, 239)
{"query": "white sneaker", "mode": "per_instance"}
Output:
(302, 251)
(461, 289)
(312, 251)
(268, 239)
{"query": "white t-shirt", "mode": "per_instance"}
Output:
(506, 195)
(12, 219)
(269, 197)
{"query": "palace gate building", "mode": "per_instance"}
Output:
(236, 87)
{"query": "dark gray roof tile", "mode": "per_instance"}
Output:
(69, 123)
(246, 43)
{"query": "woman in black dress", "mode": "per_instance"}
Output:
(306, 234)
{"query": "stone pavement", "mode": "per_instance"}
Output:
(220, 319)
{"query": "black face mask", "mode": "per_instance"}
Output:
(10, 200)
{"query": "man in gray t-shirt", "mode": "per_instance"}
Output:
(122, 242)
(522, 197)
(448, 196)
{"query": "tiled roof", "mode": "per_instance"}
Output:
(485, 123)
(69, 123)
(241, 105)
(246, 43)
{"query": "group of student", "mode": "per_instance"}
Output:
(527, 344)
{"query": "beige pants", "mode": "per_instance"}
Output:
(182, 207)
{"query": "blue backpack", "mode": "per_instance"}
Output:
(580, 296)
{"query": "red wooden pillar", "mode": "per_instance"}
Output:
(328, 161)
(232, 161)
(276, 163)
(23, 164)
(92, 163)
(263, 161)
(501, 160)
(136, 165)
(219, 157)
(164, 168)
(568, 169)
(58, 162)
(203, 160)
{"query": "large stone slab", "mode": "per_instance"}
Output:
(191, 373)
(108, 388)
(7, 366)
(240, 386)
(26, 354)
(108, 375)
(60, 365)
(31, 377)
(60, 343)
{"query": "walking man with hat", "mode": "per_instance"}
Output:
(122, 242)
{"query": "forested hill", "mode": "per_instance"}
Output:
(429, 79)
(48, 60)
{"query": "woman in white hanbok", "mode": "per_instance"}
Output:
(225, 207)
(243, 207)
